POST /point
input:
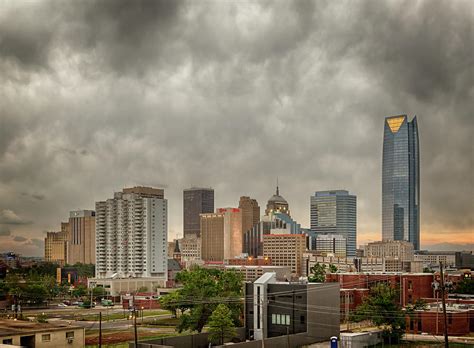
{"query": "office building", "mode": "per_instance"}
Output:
(190, 249)
(221, 234)
(432, 259)
(131, 234)
(274, 308)
(55, 247)
(335, 212)
(272, 223)
(277, 204)
(391, 249)
(196, 201)
(285, 250)
(250, 212)
(331, 244)
(401, 181)
(81, 237)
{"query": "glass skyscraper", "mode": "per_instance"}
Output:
(401, 181)
(335, 213)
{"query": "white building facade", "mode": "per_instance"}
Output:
(132, 234)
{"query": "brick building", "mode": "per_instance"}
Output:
(460, 321)
(412, 286)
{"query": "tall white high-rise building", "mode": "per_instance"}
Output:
(132, 234)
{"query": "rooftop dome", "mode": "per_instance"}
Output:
(277, 198)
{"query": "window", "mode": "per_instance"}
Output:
(70, 334)
(45, 337)
(8, 341)
(302, 319)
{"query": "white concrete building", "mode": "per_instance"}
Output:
(132, 234)
(390, 249)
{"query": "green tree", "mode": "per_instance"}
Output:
(203, 289)
(36, 293)
(465, 286)
(221, 325)
(318, 273)
(142, 289)
(332, 268)
(382, 309)
(171, 302)
(98, 292)
(79, 291)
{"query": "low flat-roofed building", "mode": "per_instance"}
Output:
(460, 320)
(390, 249)
(251, 273)
(40, 335)
(118, 286)
(433, 258)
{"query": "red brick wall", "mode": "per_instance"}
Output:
(458, 323)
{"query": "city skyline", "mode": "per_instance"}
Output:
(87, 111)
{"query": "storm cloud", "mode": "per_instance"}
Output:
(99, 95)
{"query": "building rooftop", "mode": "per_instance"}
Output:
(9, 327)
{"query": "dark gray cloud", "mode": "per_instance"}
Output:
(9, 217)
(106, 94)
(19, 239)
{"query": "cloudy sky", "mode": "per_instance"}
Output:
(99, 95)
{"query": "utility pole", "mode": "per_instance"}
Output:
(346, 300)
(443, 301)
(135, 327)
(100, 329)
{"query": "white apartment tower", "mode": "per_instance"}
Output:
(131, 234)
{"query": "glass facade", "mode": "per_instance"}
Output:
(196, 201)
(335, 212)
(401, 181)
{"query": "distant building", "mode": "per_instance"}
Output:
(335, 212)
(196, 201)
(277, 204)
(190, 250)
(274, 308)
(285, 250)
(221, 234)
(272, 223)
(250, 212)
(433, 258)
(81, 237)
(32, 334)
(395, 249)
(401, 180)
(132, 233)
(55, 247)
(331, 244)
(464, 259)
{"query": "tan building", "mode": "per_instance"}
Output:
(55, 247)
(31, 334)
(221, 234)
(390, 249)
(285, 250)
(81, 237)
(250, 212)
(190, 249)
